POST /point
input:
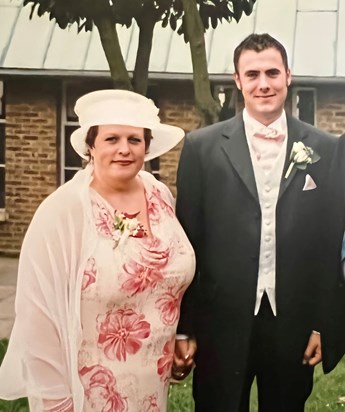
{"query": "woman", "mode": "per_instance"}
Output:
(102, 271)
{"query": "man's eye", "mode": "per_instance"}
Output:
(273, 73)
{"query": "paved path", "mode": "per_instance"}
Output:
(8, 277)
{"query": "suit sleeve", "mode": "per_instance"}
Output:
(189, 212)
(333, 309)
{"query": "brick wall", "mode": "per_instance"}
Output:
(31, 156)
(331, 109)
(32, 110)
(178, 109)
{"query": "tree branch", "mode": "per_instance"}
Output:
(112, 50)
(204, 100)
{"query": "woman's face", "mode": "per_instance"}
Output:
(118, 152)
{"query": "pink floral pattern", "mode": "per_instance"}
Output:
(156, 255)
(130, 311)
(155, 205)
(150, 403)
(165, 362)
(146, 274)
(121, 332)
(100, 389)
(103, 219)
(140, 277)
(90, 272)
(169, 305)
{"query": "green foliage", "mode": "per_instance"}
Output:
(19, 405)
(180, 396)
(169, 12)
(3, 348)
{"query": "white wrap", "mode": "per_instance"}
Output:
(41, 361)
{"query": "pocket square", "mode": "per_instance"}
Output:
(309, 183)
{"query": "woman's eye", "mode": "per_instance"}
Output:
(135, 139)
(111, 139)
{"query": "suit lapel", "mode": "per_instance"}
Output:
(236, 149)
(295, 134)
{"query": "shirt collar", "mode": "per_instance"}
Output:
(252, 125)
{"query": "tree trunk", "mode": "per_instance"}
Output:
(194, 28)
(141, 70)
(113, 54)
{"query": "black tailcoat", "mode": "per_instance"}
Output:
(218, 206)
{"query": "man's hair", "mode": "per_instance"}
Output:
(258, 43)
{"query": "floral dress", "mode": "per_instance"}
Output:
(130, 304)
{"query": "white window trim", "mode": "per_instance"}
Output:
(64, 122)
(295, 90)
(218, 92)
(3, 213)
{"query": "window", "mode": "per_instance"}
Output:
(2, 145)
(227, 96)
(70, 160)
(304, 104)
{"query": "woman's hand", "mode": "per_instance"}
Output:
(183, 358)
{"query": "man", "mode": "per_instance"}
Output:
(253, 214)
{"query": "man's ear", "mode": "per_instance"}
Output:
(235, 76)
(288, 77)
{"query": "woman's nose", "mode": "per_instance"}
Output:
(124, 147)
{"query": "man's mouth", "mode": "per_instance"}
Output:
(265, 97)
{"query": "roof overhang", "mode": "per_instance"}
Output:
(215, 78)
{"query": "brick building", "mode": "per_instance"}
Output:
(44, 69)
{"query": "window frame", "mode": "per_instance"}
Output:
(65, 122)
(3, 214)
(295, 109)
(219, 90)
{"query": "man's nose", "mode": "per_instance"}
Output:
(263, 83)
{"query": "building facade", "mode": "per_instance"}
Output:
(39, 86)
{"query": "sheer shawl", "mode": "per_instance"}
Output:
(42, 358)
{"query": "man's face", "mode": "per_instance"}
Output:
(264, 81)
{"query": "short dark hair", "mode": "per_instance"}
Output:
(258, 43)
(93, 132)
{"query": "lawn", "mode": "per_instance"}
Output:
(325, 396)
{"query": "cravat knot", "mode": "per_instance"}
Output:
(267, 143)
(269, 133)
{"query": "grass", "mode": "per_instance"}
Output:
(325, 396)
(19, 405)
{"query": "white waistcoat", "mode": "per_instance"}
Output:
(268, 189)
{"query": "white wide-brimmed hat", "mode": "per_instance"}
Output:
(122, 107)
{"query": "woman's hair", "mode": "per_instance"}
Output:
(93, 132)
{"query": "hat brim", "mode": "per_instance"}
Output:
(164, 138)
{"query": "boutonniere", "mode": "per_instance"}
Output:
(301, 156)
(126, 225)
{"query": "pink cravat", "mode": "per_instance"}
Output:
(266, 145)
